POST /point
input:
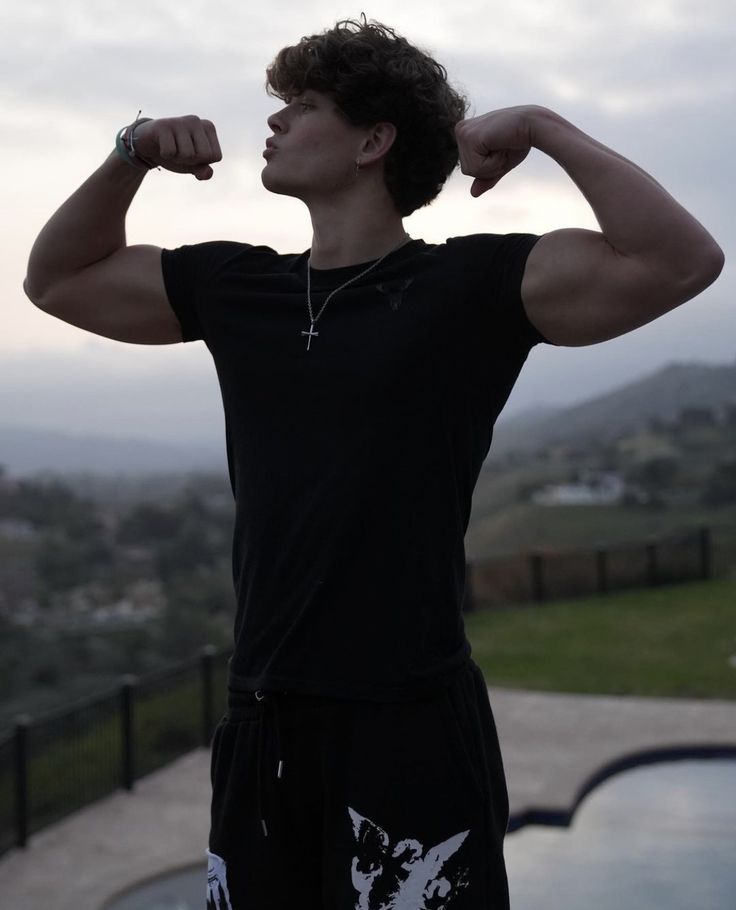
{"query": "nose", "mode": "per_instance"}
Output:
(276, 122)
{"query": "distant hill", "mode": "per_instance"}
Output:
(25, 450)
(661, 395)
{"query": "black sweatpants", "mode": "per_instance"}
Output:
(326, 804)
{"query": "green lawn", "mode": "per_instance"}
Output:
(668, 641)
(72, 765)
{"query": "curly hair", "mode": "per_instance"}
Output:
(374, 74)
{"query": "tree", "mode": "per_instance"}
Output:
(654, 477)
(146, 524)
(200, 610)
(720, 485)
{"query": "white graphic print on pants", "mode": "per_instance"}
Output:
(218, 897)
(405, 876)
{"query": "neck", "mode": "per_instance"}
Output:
(341, 239)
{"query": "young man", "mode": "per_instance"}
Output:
(358, 764)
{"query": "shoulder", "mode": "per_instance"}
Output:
(490, 258)
(213, 257)
(497, 246)
(484, 251)
(494, 265)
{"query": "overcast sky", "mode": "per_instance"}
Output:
(653, 80)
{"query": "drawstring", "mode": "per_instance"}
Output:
(268, 700)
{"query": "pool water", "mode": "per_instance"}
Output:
(660, 837)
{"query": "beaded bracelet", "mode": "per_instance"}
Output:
(125, 148)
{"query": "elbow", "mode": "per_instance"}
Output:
(719, 260)
(712, 262)
(36, 294)
(704, 269)
(31, 292)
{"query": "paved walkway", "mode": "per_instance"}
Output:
(557, 746)
(552, 744)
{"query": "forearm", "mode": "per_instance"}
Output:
(637, 216)
(88, 227)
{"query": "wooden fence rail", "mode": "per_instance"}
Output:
(541, 576)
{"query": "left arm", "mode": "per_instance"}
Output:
(581, 287)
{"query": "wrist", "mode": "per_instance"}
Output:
(545, 126)
(125, 146)
(569, 146)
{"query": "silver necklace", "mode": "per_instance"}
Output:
(313, 319)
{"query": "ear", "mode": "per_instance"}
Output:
(377, 142)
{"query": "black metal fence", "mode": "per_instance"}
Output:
(549, 574)
(59, 762)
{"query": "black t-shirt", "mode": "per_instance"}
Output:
(353, 463)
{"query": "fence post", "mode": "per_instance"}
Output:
(127, 697)
(652, 564)
(705, 553)
(22, 724)
(537, 570)
(601, 563)
(207, 665)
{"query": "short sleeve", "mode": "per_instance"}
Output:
(185, 270)
(505, 273)
(197, 279)
(493, 268)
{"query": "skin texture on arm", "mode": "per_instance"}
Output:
(581, 287)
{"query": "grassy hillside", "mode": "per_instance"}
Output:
(523, 526)
(677, 641)
(661, 395)
(675, 476)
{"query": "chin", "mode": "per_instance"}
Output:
(272, 183)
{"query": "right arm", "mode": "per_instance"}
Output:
(80, 268)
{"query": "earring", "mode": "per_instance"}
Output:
(357, 168)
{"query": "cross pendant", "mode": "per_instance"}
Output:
(311, 333)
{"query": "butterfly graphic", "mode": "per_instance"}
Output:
(402, 875)
(218, 897)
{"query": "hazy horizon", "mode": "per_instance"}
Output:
(149, 407)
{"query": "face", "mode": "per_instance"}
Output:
(313, 150)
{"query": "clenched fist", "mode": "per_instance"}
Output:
(186, 145)
(493, 144)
